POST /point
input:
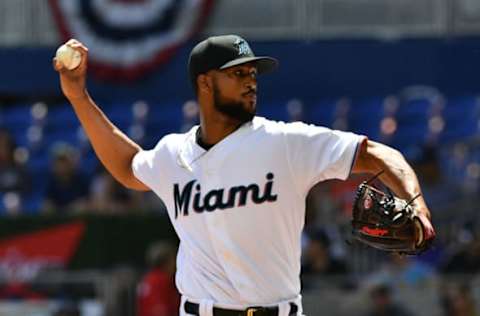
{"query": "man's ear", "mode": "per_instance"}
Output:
(204, 83)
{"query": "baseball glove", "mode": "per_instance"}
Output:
(386, 222)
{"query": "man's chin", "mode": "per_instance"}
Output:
(237, 113)
(243, 117)
(249, 110)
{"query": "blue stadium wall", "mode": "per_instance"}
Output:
(307, 70)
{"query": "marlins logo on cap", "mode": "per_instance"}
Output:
(242, 47)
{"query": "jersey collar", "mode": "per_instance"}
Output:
(190, 152)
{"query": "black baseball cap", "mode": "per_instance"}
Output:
(221, 52)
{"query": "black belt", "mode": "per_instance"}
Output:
(192, 308)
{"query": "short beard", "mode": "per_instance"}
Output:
(232, 109)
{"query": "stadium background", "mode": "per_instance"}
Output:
(402, 72)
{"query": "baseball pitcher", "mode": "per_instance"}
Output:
(235, 186)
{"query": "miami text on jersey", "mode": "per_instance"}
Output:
(213, 200)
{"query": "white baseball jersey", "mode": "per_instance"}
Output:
(239, 207)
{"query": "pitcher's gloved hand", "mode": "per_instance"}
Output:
(388, 223)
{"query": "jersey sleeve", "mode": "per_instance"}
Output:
(148, 166)
(318, 153)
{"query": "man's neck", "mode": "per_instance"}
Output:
(200, 142)
(208, 136)
(213, 131)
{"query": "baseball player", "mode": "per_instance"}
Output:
(235, 185)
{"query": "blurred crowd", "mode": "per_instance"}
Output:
(68, 189)
(47, 176)
(74, 181)
(328, 254)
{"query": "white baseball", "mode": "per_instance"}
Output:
(69, 57)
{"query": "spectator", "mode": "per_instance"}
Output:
(68, 309)
(14, 178)
(156, 292)
(458, 301)
(319, 262)
(320, 208)
(465, 260)
(108, 196)
(318, 256)
(382, 303)
(437, 188)
(67, 187)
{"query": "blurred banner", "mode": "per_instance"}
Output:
(23, 256)
(29, 244)
(129, 38)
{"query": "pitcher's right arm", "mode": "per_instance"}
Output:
(114, 149)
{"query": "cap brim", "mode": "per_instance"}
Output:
(264, 64)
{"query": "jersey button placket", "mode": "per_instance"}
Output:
(208, 168)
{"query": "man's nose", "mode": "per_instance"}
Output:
(251, 84)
